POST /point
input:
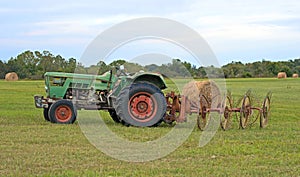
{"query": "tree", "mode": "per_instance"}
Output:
(152, 68)
(3, 69)
(117, 62)
(133, 67)
(102, 67)
(179, 68)
(33, 65)
(233, 69)
(202, 72)
(71, 65)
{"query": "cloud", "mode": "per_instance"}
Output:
(238, 29)
(252, 17)
(84, 26)
(230, 26)
(6, 10)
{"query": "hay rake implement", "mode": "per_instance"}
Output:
(178, 106)
(245, 113)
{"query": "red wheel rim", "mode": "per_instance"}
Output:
(142, 106)
(63, 113)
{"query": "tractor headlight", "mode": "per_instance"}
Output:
(46, 88)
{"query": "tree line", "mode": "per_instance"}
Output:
(33, 65)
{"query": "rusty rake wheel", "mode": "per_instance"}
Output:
(245, 112)
(203, 117)
(226, 119)
(265, 114)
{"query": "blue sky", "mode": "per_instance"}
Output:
(236, 30)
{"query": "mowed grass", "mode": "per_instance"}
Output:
(30, 146)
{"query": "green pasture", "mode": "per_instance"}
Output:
(31, 146)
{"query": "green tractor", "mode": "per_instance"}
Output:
(130, 99)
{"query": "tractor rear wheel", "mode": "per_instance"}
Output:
(141, 105)
(62, 112)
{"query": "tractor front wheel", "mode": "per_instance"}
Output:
(62, 112)
(114, 116)
(45, 112)
(141, 105)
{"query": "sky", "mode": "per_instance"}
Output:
(235, 30)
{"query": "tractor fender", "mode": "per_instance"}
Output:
(153, 78)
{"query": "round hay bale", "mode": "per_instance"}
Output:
(209, 89)
(11, 76)
(281, 75)
(295, 75)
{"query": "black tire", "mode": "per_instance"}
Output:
(114, 116)
(141, 105)
(62, 112)
(45, 112)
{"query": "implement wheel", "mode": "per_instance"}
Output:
(203, 117)
(265, 111)
(226, 118)
(245, 111)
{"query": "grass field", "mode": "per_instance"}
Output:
(31, 146)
